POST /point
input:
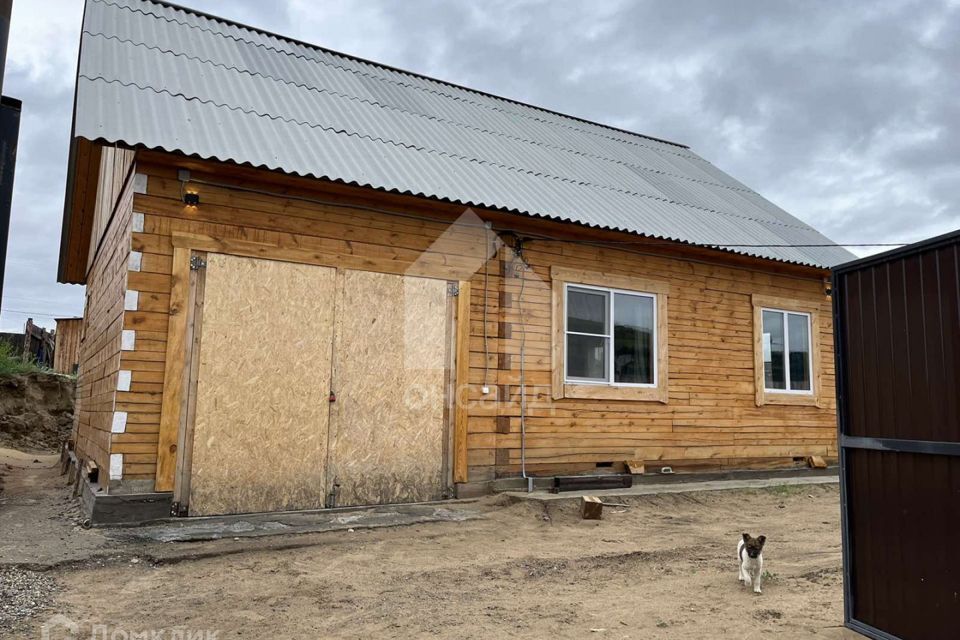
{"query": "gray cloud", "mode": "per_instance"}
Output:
(843, 113)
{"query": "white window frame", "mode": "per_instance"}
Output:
(609, 382)
(786, 346)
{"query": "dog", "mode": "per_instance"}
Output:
(750, 554)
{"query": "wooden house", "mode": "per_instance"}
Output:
(315, 280)
(66, 352)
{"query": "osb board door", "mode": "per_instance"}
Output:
(263, 384)
(388, 423)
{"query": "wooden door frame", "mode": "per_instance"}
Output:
(460, 385)
(188, 404)
(174, 422)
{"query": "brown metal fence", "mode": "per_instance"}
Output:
(897, 324)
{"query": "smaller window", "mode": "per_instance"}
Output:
(787, 355)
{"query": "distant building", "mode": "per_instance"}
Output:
(38, 344)
(66, 356)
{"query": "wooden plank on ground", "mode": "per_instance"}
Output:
(636, 467)
(591, 508)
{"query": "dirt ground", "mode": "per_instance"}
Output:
(663, 568)
(36, 410)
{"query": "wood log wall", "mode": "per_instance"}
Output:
(710, 419)
(101, 339)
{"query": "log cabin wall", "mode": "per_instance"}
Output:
(710, 420)
(115, 166)
(102, 332)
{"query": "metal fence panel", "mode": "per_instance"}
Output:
(897, 324)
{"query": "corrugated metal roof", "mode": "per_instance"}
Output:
(168, 78)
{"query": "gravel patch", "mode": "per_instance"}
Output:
(23, 594)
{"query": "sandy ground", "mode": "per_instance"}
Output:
(663, 568)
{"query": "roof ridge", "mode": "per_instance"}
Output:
(235, 23)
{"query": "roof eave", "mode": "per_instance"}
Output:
(720, 252)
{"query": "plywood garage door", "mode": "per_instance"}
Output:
(262, 410)
(387, 425)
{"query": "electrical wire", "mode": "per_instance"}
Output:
(521, 269)
(641, 242)
(486, 279)
(44, 314)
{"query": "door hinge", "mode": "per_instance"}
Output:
(453, 289)
(178, 510)
(197, 263)
(333, 495)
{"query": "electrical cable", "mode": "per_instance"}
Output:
(44, 314)
(486, 279)
(639, 242)
(521, 269)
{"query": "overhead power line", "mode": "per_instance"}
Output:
(643, 241)
(48, 314)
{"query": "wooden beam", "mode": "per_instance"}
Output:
(174, 371)
(635, 467)
(428, 266)
(285, 184)
(189, 397)
(557, 334)
(461, 394)
(600, 279)
(591, 508)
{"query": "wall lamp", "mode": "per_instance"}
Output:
(190, 198)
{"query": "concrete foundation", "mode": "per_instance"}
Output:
(101, 508)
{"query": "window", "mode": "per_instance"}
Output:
(609, 338)
(787, 352)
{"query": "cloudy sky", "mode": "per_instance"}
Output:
(846, 114)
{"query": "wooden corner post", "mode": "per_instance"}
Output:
(461, 390)
(175, 367)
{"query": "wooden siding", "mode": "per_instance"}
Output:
(100, 348)
(115, 164)
(710, 419)
(66, 354)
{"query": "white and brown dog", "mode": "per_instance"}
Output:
(750, 553)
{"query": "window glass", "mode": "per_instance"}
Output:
(799, 328)
(633, 326)
(774, 369)
(586, 357)
(587, 311)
